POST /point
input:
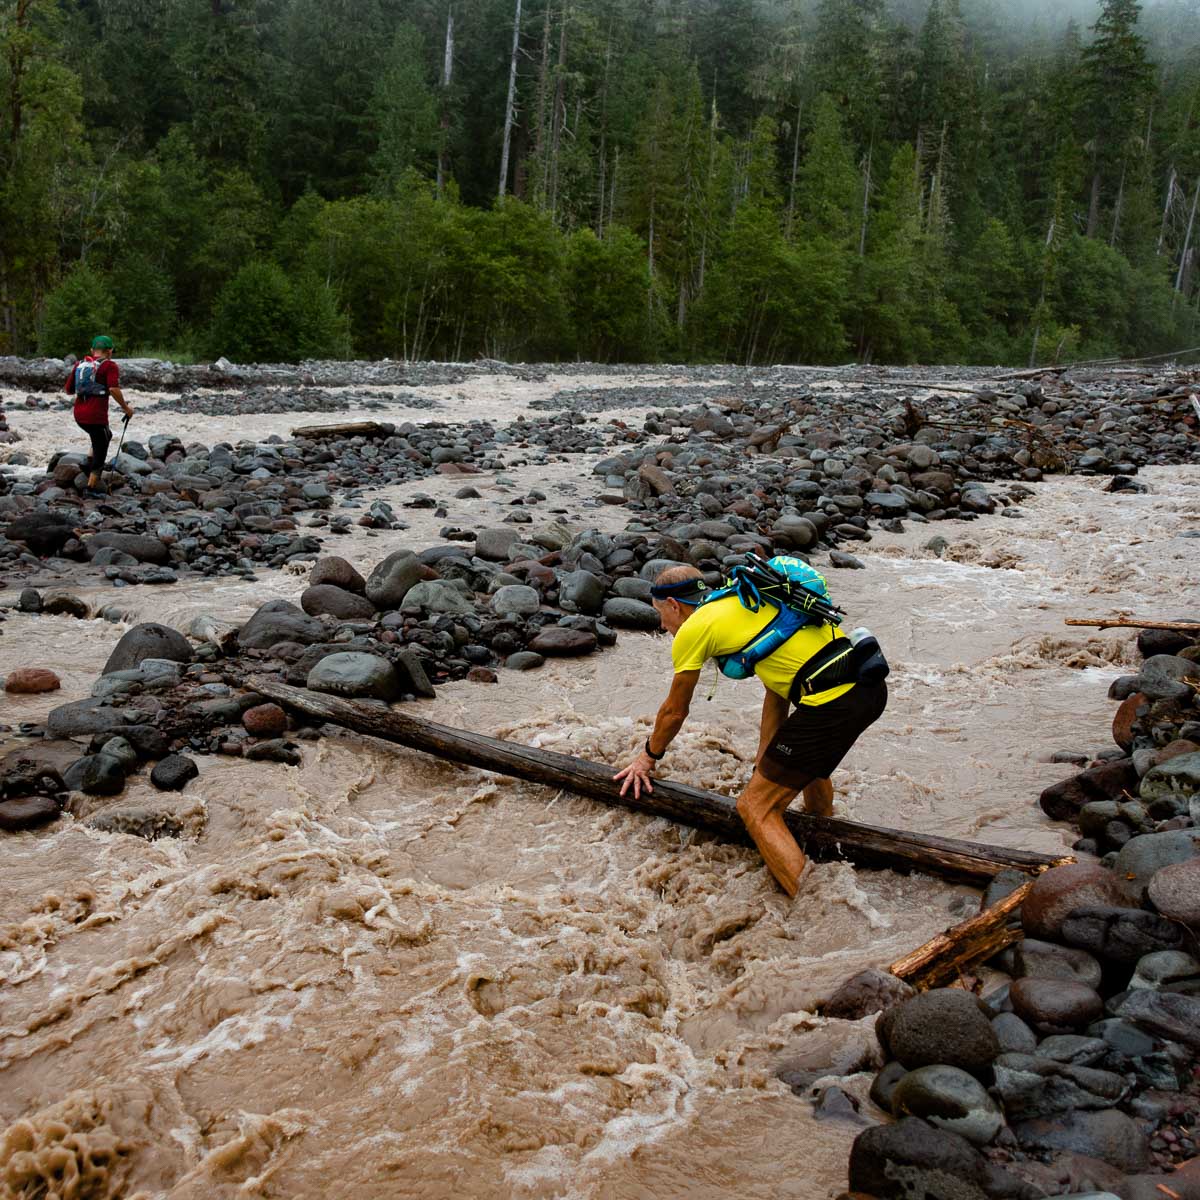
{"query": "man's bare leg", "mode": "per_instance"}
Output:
(818, 798)
(761, 806)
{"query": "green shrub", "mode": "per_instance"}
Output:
(76, 311)
(260, 317)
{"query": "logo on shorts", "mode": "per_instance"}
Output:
(779, 748)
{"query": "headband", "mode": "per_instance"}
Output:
(678, 591)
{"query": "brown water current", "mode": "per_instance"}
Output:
(378, 975)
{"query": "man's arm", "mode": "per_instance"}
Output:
(119, 397)
(774, 713)
(671, 715)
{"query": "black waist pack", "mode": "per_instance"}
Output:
(841, 661)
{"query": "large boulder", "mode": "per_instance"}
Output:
(436, 596)
(148, 640)
(1107, 781)
(516, 599)
(944, 1026)
(1055, 1005)
(1176, 778)
(869, 991)
(1108, 1134)
(631, 614)
(1118, 934)
(555, 641)
(912, 1158)
(1057, 891)
(27, 812)
(173, 773)
(327, 599)
(140, 546)
(392, 579)
(96, 775)
(338, 572)
(85, 718)
(495, 544)
(31, 681)
(581, 591)
(355, 675)
(948, 1098)
(43, 532)
(1141, 857)
(279, 621)
(1169, 1015)
(1175, 892)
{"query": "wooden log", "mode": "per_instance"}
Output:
(1130, 623)
(344, 430)
(944, 958)
(824, 838)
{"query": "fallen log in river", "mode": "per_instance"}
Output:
(823, 838)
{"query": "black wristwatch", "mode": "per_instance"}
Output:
(651, 753)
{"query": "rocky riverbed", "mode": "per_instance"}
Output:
(465, 566)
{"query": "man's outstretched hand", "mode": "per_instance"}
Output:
(637, 775)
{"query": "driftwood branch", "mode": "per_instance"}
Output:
(345, 429)
(1130, 623)
(944, 958)
(823, 838)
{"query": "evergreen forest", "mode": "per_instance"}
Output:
(747, 181)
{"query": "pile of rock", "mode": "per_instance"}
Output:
(1081, 1074)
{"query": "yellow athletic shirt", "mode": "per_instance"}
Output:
(726, 626)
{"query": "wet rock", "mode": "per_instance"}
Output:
(437, 595)
(631, 614)
(1167, 677)
(482, 675)
(1014, 1036)
(835, 1104)
(1125, 719)
(1177, 777)
(356, 676)
(1033, 959)
(883, 1086)
(140, 547)
(557, 642)
(412, 675)
(1074, 1049)
(524, 660)
(27, 812)
(1108, 1135)
(265, 720)
(83, 718)
(327, 599)
(148, 640)
(1034, 1086)
(867, 992)
(1057, 891)
(44, 533)
(1175, 891)
(911, 1158)
(1107, 781)
(121, 749)
(1151, 642)
(1167, 971)
(581, 591)
(1142, 857)
(173, 773)
(1118, 934)
(137, 821)
(495, 544)
(944, 1026)
(279, 621)
(1055, 1005)
(391, 581)
(273, 750)
(31, 681)
(95, 775)
(1169, 1015)
(794, 533)
(839, 558)
(338, 572)
(65, 604)
(30, 601)
(950, 1099)
(516, 599)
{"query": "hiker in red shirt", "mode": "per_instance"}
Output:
(91, 382)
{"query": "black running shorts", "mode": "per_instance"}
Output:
(816, 737)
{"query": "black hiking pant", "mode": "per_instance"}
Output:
(101, 437)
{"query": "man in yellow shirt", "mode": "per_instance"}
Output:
(796, 753)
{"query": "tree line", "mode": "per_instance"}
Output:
(749, 181)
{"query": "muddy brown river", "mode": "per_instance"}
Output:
(379, 975)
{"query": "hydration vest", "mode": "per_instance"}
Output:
(87, 379)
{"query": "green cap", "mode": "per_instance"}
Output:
(103, 342)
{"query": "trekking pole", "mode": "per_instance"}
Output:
(111, 465)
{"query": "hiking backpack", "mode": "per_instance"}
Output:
(87, 380)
